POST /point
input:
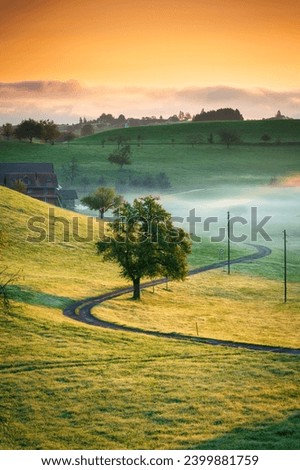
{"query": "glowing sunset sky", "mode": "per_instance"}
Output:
(141, 57)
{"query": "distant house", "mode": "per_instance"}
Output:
(68, 198)
(38, 180)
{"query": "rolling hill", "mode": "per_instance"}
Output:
(171, 150)
(250, 132)
(65, 385)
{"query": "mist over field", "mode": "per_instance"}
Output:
(280, 204)
(258, 214)
(276, 209)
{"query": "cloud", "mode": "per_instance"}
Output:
(36, 89)
(254, 103)
(66, 101)
(250, 98)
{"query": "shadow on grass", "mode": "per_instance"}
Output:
(29, 296)
(284, 435)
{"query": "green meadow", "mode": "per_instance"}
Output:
(68, 385)
(168, 149)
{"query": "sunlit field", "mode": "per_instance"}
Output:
(70, 386)
(67, 385)
(214, 305)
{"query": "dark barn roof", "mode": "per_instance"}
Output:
(24, 168)
(39, 179)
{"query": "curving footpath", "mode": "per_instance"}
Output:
(81, 310)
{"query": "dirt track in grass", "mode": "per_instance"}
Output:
(81, 310)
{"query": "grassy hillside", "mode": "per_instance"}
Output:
(187, 166)
(231, 307)
(59, 267)
(249, 132)
(66, 385)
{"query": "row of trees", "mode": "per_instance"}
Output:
(222, 114)
(30, 129)
(106, 120)
(71, 170)
(48, 132)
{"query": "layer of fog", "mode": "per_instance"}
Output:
(281, 207)
(278, 207)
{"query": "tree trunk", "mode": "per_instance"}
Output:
(101, 213)
(136, 289)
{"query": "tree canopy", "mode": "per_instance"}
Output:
(121, 156)
(87, 129)
(229, 137)
(7, 130)
(49, 131)
(222, 114)
(102, 199)
(29, 129)
(145, 243)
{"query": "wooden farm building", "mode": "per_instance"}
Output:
(37, 180)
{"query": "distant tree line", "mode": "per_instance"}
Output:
(108, 120)
(222, 114)
(50, 132)
(29, 129)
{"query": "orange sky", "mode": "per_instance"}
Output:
(157, 44)
(165, 42)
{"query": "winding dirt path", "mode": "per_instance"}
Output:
(81, 310)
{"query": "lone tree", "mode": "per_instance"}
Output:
(229, 137)
(144, 242)
(102, 200)
(265, 138)
(86, 130)
(50, 131)
(7, 130)
(121, 156)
